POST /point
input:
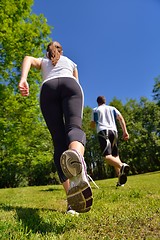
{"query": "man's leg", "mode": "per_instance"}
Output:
(113, 161)
(108, 145)
(117, 169)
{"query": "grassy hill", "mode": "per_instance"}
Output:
(129, 212)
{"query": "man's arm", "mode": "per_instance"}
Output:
(123, 126)
(92, 124)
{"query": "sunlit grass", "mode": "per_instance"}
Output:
(129, 212)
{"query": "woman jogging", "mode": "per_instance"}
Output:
(61, 102)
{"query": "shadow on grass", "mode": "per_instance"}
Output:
(51, 190)
(32, 222)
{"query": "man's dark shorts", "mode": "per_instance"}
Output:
(108, 142)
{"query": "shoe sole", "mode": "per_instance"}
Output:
(70, 164)
(79, 196)
(123, 176)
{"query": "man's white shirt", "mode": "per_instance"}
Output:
(105, 117)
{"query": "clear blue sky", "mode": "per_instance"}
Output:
(115, 43)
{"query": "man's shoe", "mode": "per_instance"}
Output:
(123, 174)
(119, 185)
(79, 195)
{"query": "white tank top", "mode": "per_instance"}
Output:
(63, 68)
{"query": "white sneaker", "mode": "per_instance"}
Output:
(119, 185)
(123, 174)
(79, 195)
(71, 211)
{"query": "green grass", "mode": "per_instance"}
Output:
(129, 212)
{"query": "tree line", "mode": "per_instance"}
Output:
(26, 151)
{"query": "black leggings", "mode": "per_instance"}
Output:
(61, 102)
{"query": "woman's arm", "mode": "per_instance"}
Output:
(27, 63)
(75, 73)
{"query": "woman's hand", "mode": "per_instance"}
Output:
(23, 87)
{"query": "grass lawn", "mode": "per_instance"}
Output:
(129, 212)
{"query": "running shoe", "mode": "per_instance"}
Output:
(79, 195)
(123, 174)
(71, 211)
(119, 185)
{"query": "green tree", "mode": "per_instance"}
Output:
(25, 147)
(156, 90)
(142, 150)
(22, 33)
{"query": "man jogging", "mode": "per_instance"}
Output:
(104, 119)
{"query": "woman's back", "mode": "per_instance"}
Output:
(63, 68)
